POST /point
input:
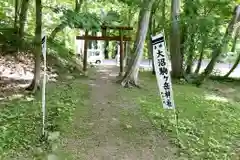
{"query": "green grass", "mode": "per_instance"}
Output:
(209, 128)
(209, 121)
(20, 120)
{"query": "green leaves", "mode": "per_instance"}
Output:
(110, 18)
(88, 21)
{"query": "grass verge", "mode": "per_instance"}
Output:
(209, 124)
(20, 120)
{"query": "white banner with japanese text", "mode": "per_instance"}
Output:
(161, 64)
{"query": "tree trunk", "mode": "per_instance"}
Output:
(233, 67)
(78, 4)
(203, 43)
(176, 57)
(59, 28)
(190, 60)
(37, 49)
(163, 14)
(150, 48)
(184, 28)
(16, 15)
(235, 42)
(106, 52)
(192, 11)
(199, 64)
(131, 76)
(201, 55)
(23, 17)
(62, 25)
(191, 52)
(128, 45)
(238, 58)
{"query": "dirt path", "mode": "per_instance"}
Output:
(114, 129)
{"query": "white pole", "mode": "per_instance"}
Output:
(44, 49)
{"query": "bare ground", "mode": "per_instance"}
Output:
(113, 127)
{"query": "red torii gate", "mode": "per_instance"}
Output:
(104, 37)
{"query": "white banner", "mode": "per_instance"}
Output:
(44, 53)
(163, 76)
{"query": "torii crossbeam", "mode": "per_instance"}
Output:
(104, 37)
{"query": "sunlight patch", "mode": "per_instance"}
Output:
(93, 84)
(213, 97)
(104, 70)
(15, 96)
(104, 77)
(113, 74)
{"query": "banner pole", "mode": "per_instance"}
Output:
(175, 110)
(44, 84)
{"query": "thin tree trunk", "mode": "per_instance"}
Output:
(131, 76)
(152, 29)
(128, 46)
(37, 49)
(163, 14)
(78, 4)
(176, 57)
(153, 32)
(238, 58)
(193, 12)
(59, 28)
(199, 62)
(191, 52)
(150, 32)
(16, 15)
(200, 57)
(106, 52)
(184, 32)
(235, 42)
(62, 25)
(106, 44)
(204, 42)
(23, 17)
(233, 67)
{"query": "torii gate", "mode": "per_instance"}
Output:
(120, 38)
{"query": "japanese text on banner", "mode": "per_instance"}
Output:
(161, 65)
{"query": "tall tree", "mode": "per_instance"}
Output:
(150, 32)
(191, 50)
(176, 58)
(23, 17)
(217, 48)
(37, 48)
(131, 76)
(152, 29)
(191, 12)
(16, 14)
(200, 59)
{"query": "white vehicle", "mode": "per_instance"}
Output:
(95, 56)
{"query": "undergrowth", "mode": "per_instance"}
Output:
(21, 120)
(208, 124)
